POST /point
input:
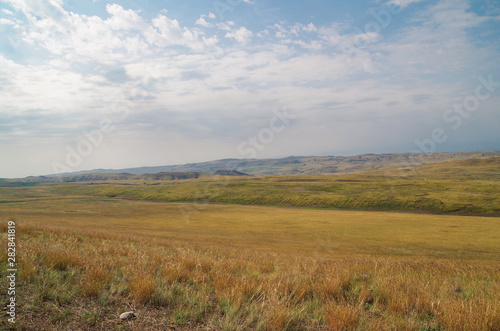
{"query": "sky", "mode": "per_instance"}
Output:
(87, 84)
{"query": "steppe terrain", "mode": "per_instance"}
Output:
(412, 248)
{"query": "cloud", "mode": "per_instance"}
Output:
(34, 8)
(201, 21)
(190, 75)
(122, 19)
(437, 41)
(219, 81)
(310, 27)
(7, 12)
(117, 75)
(242, 35)
(4, 21)
(123, 36)
(402, 3)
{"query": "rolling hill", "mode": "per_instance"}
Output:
(455, 187)
(304, 165)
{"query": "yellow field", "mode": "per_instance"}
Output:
(277, 229)
(84, 260)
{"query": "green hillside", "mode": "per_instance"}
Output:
(468, 187)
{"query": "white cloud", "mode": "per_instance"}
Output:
(5, 21)
(402, 3)
(7, 12)
(49, 87)
(313, 45)
(453, 14)
(242, 35)
(43, 9)
(123, 36)
(211, 41)
(294, 31)
(226, 26)
(191, 82)
(309, 28)
(333, 35)
(122, 19)
(201, 21)
(437, 41)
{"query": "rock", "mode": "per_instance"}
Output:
(127, 315)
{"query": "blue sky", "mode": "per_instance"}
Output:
(112, 84)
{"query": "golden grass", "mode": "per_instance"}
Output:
(85, 259)
(342, 317)
(94, 279)
(298, 231)
(186, 285)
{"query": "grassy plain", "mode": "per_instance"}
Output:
(89, 252)
(469, 187)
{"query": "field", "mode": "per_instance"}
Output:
(467, 187)
(409, 249)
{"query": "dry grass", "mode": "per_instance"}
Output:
(192, 286)
(85, 259)
(95, 277)
(299, 231)
(342, 316)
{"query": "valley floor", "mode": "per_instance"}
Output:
(84, 261)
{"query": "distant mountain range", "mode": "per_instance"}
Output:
(293, 165)
(306, 165)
